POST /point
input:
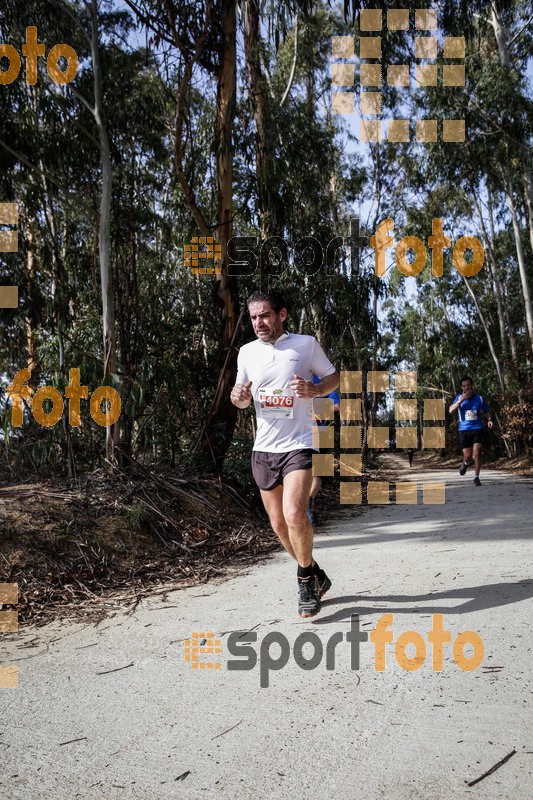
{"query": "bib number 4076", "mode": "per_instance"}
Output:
(280, 401)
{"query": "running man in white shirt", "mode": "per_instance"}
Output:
(275, 372)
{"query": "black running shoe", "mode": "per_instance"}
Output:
(308, 596)
(324, 583)
(324, 587)
(463, 468)
(477, 482)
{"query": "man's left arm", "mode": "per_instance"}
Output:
(307, 389)
(320, 363)
(326, 385)
(486, 410)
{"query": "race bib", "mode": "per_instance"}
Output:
(275, 403)
(471, 416)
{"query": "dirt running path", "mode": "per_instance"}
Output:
(149, 726)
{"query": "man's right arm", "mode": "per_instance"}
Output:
(457, 403)
(241, 395)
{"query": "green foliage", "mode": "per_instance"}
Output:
(315, 179)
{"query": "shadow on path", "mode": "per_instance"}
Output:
(477, 598)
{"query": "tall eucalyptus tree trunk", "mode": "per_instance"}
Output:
(218, 431)
(104, 239)
(502, 40)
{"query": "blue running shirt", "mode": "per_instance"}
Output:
(470, 412)
(334, 395)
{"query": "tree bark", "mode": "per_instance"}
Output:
(31, 344)
(522, 267)
(222, 417)
(502, 41)
(104, 239)
(259, 101)
(217, 433)
(488, 336)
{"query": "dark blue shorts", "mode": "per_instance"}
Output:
(470, 438)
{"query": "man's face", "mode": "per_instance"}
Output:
(268, 326)
(466, 387)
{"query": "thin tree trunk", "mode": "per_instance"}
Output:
(528, 190)
(216, 436)
(104, 239)
(488, 336)
(252, 45)
(491, 261)
(451, 366)
(222, 417)
(509, 328)
(182, 114)
(522, 268)
(501, 36)
(31, 344)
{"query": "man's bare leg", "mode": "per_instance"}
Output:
(467, 460)
(316, 485)
(287, 500)
(273, 502)
(313, 582)
(467, 455)
(296, 487)
(477, 458)
(286, 507)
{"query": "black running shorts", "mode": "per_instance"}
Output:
(269, 469)
(470, 438)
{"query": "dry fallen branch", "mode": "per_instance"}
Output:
(80, 739)
(226, 731)
(121, 539)
(117, 669)
(492, 769)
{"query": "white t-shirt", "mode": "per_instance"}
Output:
(284, 421)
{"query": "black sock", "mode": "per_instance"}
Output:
(306, 572)
(318, 572)
(311, 570)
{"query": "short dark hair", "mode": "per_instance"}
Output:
(467, 378)
(274, 298)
